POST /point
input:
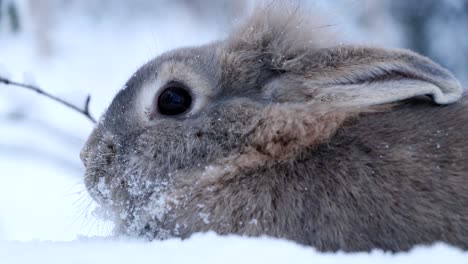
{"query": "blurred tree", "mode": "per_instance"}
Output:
(1, 11)
(414, 17)
(12, 12)
(437, 29)
(42, 14)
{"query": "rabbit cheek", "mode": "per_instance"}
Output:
(163, 157)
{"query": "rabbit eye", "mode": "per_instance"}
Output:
(175, 99)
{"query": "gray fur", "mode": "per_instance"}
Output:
(290, 136)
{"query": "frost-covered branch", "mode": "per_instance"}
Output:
(84, 111)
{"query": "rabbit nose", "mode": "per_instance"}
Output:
(84, 155)
(87, 149)
(90, 144)
(109, 152)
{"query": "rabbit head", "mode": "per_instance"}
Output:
(193, 140)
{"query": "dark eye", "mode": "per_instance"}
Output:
(175, 99)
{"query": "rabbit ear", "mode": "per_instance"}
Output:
(352, 76)
(331, 85)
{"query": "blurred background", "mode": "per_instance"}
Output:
(72, 48)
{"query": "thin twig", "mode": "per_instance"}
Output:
(326, 25)
(84, 111)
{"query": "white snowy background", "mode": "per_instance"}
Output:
(72, 48)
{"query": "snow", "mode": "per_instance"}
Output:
(208, 248)
(46, 215)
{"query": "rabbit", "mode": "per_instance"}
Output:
(280, 130)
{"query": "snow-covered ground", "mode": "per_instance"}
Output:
(208, 248)
(46, 215)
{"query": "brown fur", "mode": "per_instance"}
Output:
(291, 136)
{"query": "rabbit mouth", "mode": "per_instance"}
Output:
(96, 182)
